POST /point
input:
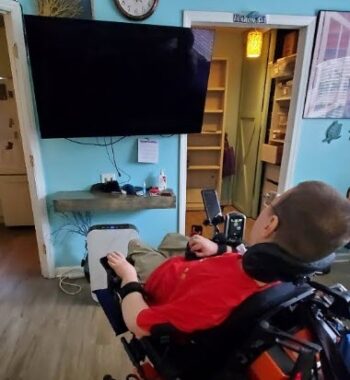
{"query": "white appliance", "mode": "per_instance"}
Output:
(102, 239)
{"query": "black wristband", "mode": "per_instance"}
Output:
(222, 248)
(130, 287)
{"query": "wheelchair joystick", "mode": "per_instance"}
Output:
(190, 255)
(113, 280)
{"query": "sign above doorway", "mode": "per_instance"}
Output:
(249, 18)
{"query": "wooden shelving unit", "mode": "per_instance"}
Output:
(205, 149)
(282, 72)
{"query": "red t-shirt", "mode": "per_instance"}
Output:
(196, 295)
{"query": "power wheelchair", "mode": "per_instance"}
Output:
(296, 329)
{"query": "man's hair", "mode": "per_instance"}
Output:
(314, 220)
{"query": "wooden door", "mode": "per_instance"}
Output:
(249, 129)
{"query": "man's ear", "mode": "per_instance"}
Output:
(271, 226)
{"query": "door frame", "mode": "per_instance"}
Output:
(306, 26)
(12, 13)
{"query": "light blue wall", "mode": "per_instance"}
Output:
(72, 167)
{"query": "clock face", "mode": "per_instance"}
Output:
(136, 9)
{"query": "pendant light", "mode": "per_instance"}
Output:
(254, 44)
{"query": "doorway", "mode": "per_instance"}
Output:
(305, 26)
(15, 204)
(234, 116)
(13, 23)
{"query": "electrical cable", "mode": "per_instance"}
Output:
(113, 160)
(95, 144)
(63, 282)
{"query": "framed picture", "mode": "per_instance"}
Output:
(66, 8)
(328, 93)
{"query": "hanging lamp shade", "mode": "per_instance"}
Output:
(254, 44)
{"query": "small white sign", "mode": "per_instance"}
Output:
(250, 18)
(148, 151)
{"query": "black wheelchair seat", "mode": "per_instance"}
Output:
(253, 327)
(201, 354)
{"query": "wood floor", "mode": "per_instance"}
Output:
(48, 335)
(44, 333)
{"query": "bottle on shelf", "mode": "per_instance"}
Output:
(162, 181)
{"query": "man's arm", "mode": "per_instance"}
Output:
(133, 303)
(204, 247)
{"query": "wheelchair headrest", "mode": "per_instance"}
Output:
(268, 262)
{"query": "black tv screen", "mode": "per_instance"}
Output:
(97, 78)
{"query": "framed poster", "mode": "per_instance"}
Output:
(328, 93)
(66, 8)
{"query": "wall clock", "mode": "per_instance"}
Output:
(136, 9)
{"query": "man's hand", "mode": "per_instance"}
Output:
(122, 267)
(202, 246)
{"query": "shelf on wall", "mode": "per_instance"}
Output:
(108, 202)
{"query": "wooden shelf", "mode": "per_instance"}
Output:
(283, 99)
(280, 141)
(204, 147)
(216, 89)
(204, 167)
(211, 133)
(195, 206)
(108, 202)
(213, 111)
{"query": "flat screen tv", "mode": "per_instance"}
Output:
(96, 78)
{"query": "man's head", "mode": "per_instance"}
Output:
(309, 221)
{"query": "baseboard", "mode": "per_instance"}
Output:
(70, 272)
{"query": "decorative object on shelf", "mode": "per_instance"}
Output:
(136, 9)
(328, 94)
(333, 132)
(65, 8)
(254, 44)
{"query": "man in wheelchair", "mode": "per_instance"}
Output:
(227, 315)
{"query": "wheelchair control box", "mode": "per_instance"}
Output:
(234, 227)
(102, 239)
(234, 222)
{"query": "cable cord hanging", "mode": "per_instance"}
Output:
(110, 154)
(68, 287)
(113, 160)
(112, 142)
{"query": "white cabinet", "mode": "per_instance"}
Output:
(15, 200)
